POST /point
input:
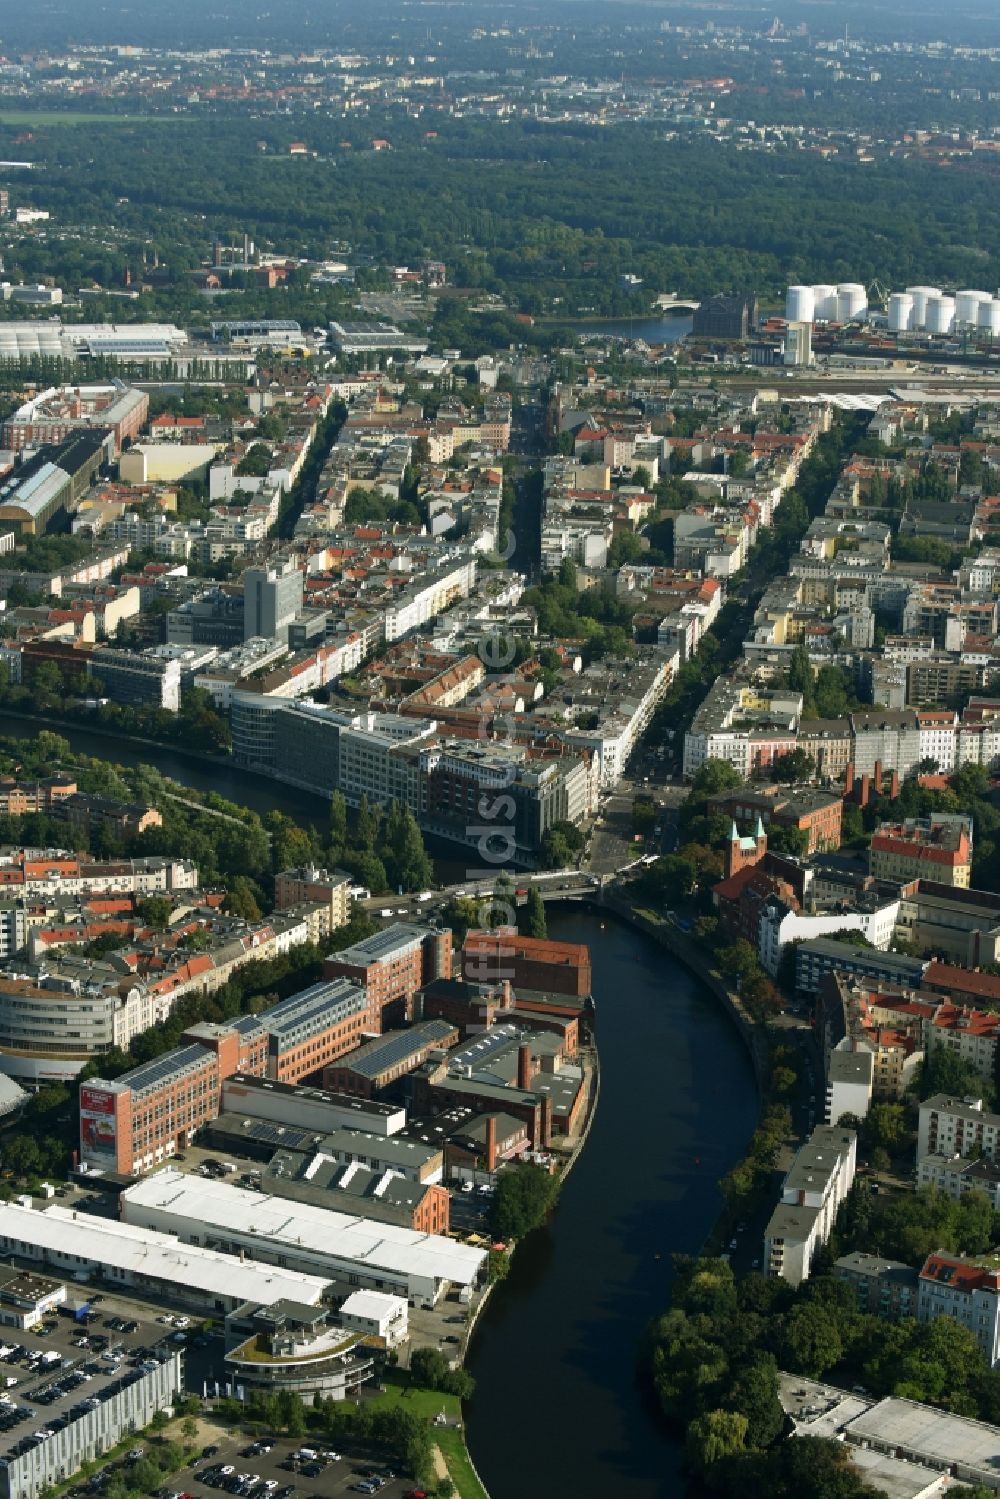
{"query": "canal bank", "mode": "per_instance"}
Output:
(558, 1408)
(204, 772)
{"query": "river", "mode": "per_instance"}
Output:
(557, 1410)
(652, 330)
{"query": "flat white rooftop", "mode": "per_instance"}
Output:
(314, 1231)
(104, 1243)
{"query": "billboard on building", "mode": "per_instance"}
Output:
(98, 1125)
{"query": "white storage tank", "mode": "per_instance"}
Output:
(800, 304)
(825, 301)
(900, 312)
(852, 301)
(967, 304)
(940, 314)
(920, 295)
(988, 320)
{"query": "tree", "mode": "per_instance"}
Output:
(714, 778)
(567, 574)
(793, 765)
(739, 961)
(810, 1340)
(715, 1435)
(800, 671)
(338, 818)
(785, 840)
(754, 1393)
(241, 899)
(428, 1368)
(535, 922)
(524, 1196)
(155, 910)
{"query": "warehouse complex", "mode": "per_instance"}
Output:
(350, 1251)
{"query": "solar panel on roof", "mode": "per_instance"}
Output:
(169, 1065)
(273, 1134)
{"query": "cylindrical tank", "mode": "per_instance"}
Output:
(800, 304)
(920, 295)
(988, 320)
(852, 300)
(940, 314)
(825, 300)
(967, 304)
(900, 312)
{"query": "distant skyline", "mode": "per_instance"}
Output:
(187, 23)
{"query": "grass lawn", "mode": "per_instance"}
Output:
(78, 117)
(463, 1475)
(450, 1439)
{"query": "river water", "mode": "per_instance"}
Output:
(557, 1410)
(653, 330)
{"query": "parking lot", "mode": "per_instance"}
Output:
(285, 1471)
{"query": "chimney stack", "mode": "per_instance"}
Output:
(894, 785)
(849, 780)
(877, 778)
(546, 1121)
(524, 1067)
(491, 1143)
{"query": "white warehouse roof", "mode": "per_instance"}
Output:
(105, 1243)
(315, 1231)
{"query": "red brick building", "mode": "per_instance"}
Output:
(817, 814)
(150, 1113)
(527, 962)
(391, 966)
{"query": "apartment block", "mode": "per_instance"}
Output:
(968, 1292)
(957, 1127)
(938, 848)
(885, 1288)
(815, 1185)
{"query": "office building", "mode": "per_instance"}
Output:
(818, 956)
(148, 1114)
(314, 1110)
(391, 966)
(272, 596)
(726, 317)
(384, 1060)
(131, 677)
(304, 1351)
(81, 1425)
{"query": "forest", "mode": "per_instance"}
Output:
(549, 218)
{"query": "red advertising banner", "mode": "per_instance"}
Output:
(92, 1102)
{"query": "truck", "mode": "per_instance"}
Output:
(425, 895)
